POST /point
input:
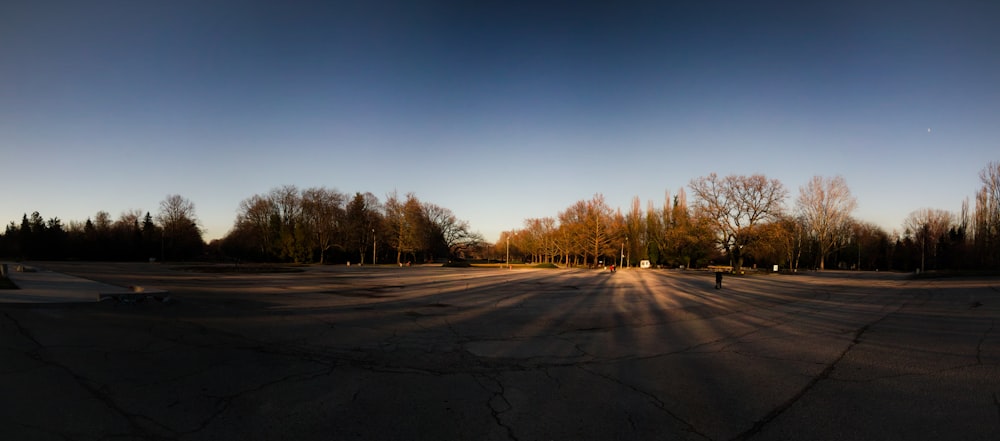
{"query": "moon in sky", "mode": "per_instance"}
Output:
(928, 130)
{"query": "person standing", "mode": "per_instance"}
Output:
(718, 280)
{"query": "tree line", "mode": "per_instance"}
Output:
(743, 220)
(323, 225)
(173, 234)
(739, 220)
(313, 225)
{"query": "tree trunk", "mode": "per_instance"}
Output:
(737, 260)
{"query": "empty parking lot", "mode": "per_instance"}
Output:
(439, 353)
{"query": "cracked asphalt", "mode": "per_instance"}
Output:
(489, 354)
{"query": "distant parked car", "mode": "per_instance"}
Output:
(645, 264)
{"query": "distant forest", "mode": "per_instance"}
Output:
(737, 220)
(745, 221)
(314, 225)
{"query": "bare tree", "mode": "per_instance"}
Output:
(176, 211)
(928, 226)
(654, 233)
(418, 235)
(825, 205)
(323, 217)
(181, 233)
(986, 217)
(452, 233)
(292, 234)
(789, 239)
(550, 243)
(635, 232)
(395, 222)
(572, 232)
(566, 243)
(103, 222)
(127, 232)
(255, 216)
(405, 222)
(736, 205)
(510, 245)
(129, 220)
(533, 238)
(871, 242)
(291, 224)
(597, 227)
(618, 229)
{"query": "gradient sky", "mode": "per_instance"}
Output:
(499, 111)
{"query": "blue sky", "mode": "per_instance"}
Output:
(499, 111)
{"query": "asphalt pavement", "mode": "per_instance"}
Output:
(491, 354)
(38, 285)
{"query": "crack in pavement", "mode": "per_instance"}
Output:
(225, 401)
(774, 413)
(48, 430)
(506, 372)
(21, 330)
(147, 427)
(996, 402)
(497, 403)
(657, 402)
(979, 346)
(96, 390)
(823, 375)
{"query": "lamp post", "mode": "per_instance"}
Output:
(373, 246)
(507, 261)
